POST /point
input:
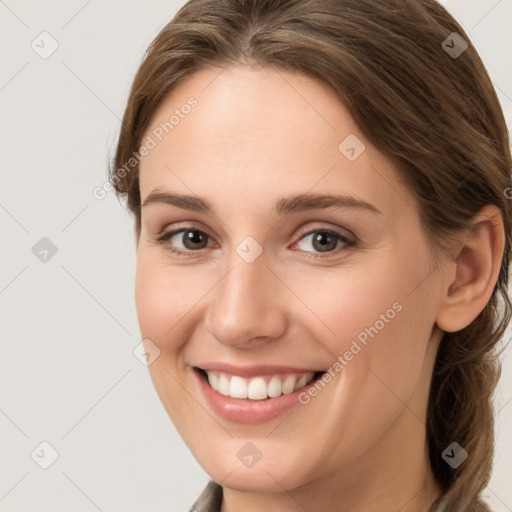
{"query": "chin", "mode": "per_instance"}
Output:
(245, 472)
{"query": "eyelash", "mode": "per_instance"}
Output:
(164, 237)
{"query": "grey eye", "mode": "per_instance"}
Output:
(321, 241)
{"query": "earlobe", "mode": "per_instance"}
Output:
(474, 272)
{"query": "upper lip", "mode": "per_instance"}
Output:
(252, 371)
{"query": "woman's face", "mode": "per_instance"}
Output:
(300, 252)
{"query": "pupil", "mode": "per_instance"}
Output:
(324, 242)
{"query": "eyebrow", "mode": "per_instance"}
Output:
(283, 206)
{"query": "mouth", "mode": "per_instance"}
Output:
(258, 387)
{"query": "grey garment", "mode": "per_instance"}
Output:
(209, 500)
(477, 506)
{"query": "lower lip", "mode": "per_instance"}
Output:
(244, 410)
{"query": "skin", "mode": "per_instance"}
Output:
(257, 135)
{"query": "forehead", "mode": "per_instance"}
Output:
(255, 133)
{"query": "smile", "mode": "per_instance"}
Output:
(253, 394)
(257, 387)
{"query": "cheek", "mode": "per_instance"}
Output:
(359, 303)
(377, 319)
(381, 334)
(162, 297)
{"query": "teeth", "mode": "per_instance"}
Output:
(301, 382)
(257, 388)
(237, 387)
(289, 384)
(224, 384)
(213, 379)
(274, 387)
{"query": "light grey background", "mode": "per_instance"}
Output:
(68, 375)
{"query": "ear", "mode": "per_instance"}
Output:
(472, 275)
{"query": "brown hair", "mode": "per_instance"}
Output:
(434, 114)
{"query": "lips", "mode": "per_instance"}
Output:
(254, 370)
(254, 386)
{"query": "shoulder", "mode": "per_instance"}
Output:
(209, 500)
(478, 505)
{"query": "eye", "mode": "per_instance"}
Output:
(324, 241)
(190, 241)
(184, 241)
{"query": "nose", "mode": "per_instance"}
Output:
(245, 307)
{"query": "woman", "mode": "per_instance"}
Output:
(323, 242)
